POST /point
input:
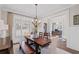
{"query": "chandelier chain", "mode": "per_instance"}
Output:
(36, 10)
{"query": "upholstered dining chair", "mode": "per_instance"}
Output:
(40, 34)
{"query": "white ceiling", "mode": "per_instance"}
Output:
(29, 9)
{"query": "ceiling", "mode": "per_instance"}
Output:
(29, 9)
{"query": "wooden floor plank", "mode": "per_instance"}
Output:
(63, 45)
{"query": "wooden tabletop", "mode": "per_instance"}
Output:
(26, 48)
(6, 44)
(42, 41)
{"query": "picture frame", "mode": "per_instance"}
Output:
(76, 20)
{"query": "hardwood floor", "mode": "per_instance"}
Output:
(46, 50)
(62, 45)
(61, 49)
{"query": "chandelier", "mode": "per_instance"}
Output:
(35, 21)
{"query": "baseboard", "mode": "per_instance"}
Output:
(72, 51)
(63, 45)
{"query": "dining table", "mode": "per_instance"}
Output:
(39, 42)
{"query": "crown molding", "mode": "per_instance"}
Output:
(16, 12)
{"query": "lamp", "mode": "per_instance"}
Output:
(35, 21)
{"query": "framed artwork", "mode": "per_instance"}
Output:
(76, 20)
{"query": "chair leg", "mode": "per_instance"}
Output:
(20, 47)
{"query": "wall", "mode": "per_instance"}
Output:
(73, 36)
(4, 16)
(0, 13)
(70, 32)
(61, 19)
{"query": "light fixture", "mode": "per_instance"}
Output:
(35, 21)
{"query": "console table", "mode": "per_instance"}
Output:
(5, 48)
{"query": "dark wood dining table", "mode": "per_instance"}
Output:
(39, 42)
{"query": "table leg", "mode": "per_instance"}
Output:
(37, 49)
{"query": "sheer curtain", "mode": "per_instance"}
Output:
(21, 25)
